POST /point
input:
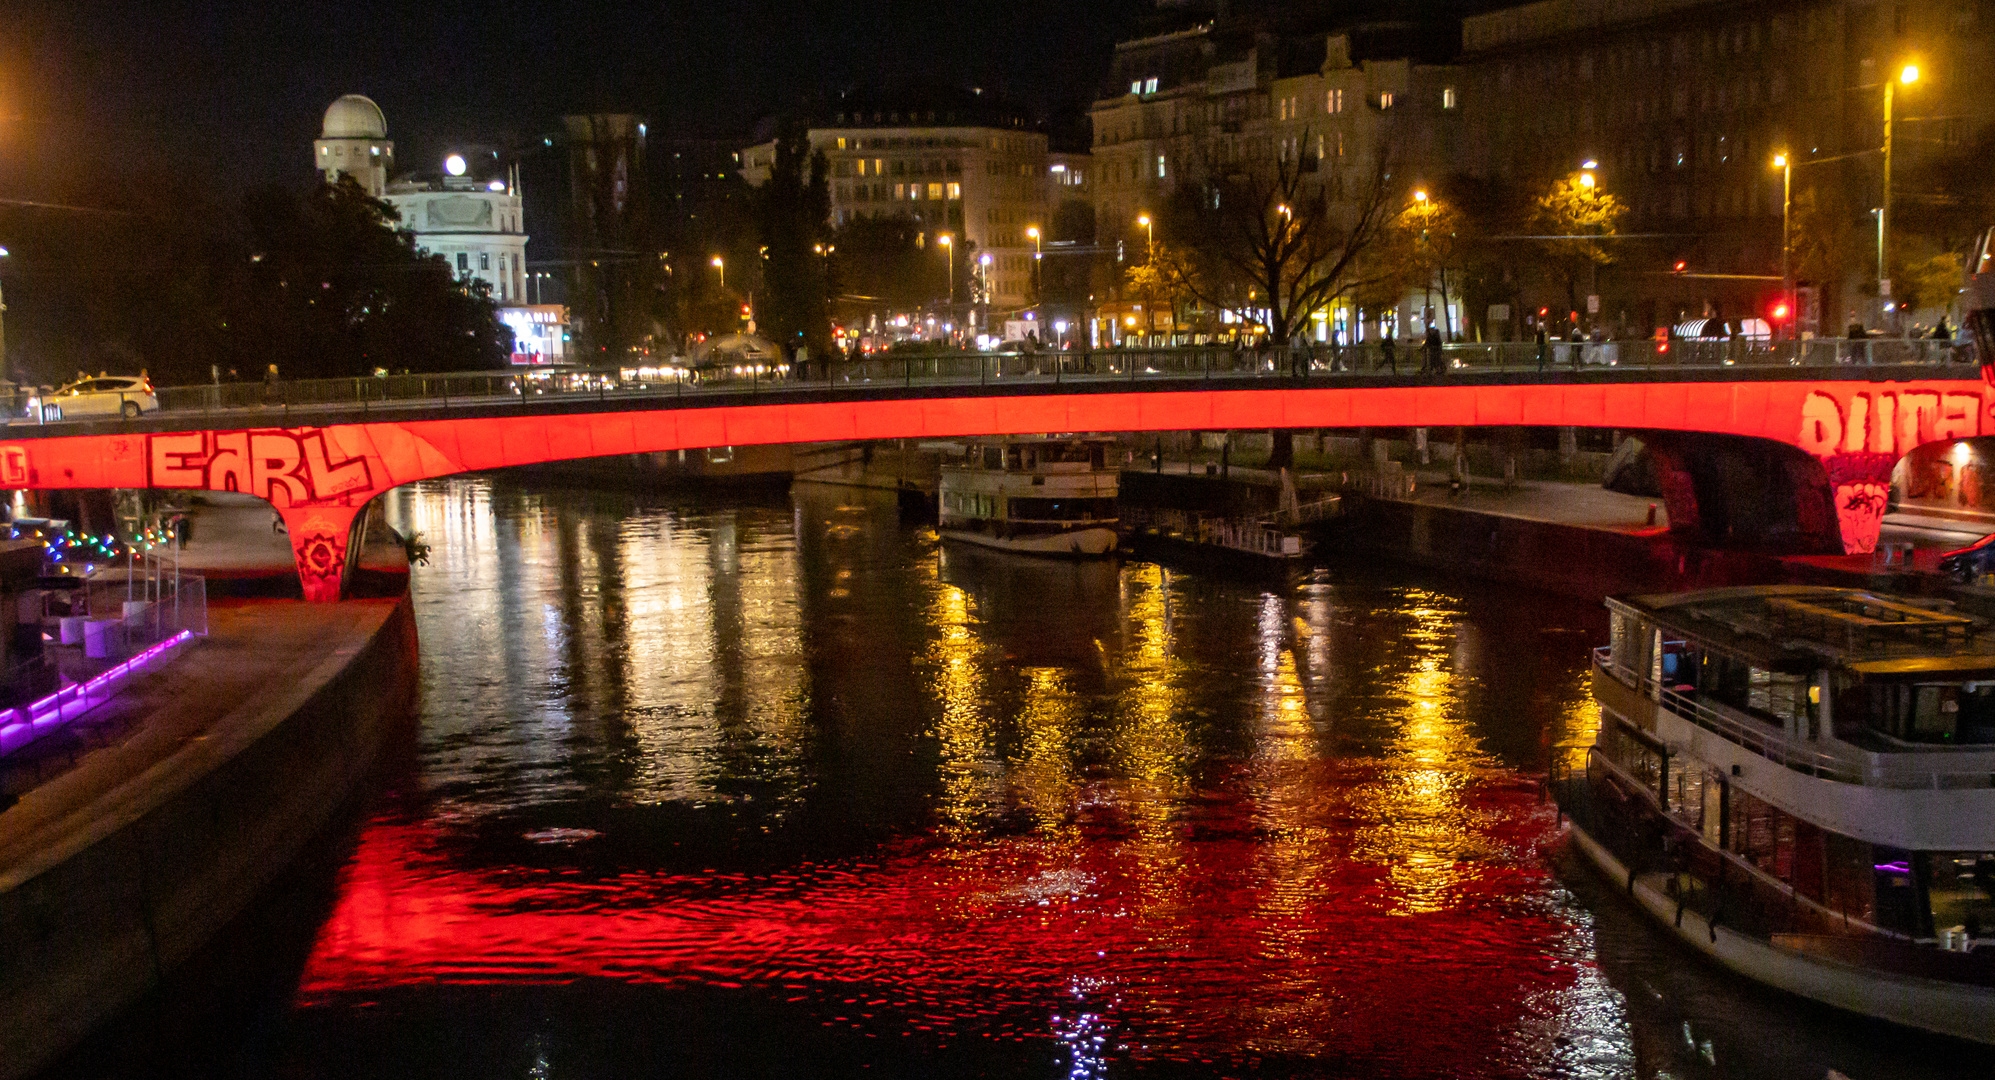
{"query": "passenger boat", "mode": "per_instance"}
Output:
(1799, 782)
(1037, 495)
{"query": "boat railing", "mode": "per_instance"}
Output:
(1305, 514)
(1869, 770)
(1249, 536)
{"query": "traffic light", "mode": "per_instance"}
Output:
(1779, 312)
(1680, 267)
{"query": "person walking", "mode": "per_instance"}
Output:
(1544, 348)
(1575, 337)
(1433, 359)
(1388, 352)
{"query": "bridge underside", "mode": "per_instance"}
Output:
(1819, 448)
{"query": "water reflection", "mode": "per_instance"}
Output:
(926, 809)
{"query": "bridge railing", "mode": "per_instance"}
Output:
(365, 393)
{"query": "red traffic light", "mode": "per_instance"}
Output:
(1779, 312)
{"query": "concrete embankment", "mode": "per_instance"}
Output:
(126, 860)
(1576, 557)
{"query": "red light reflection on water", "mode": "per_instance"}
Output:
(1283, 914)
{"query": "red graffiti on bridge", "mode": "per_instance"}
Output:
(287, 468)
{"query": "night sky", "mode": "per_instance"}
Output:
(94, 93)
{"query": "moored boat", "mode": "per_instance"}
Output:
(1799, 782)
(1036, 495)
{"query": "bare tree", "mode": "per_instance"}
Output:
(1269, 243)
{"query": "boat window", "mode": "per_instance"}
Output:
(1686, 795)
(1900, 908)
(1072, 453)
(1062, 509)
(1626, 637)
(993, 457)
(1943, 713)
(1962, 889)
(1771, 696)
(1012, 455)
(1642, 760)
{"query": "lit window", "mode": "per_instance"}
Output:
(1335, 102)
(376, 149)
(484, 260)
(935, 191)
(1160, 166)
(1448, 100)
(1150, 86)
(841, 144)
(955, 191)
(1385, 100)
(1136, 87)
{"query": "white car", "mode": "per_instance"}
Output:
(108, 395)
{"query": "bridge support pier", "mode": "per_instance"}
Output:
(321, 538)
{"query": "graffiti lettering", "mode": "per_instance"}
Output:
(288, 468)
(1885, 421)
(14, 466)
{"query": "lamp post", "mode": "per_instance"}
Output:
(1037, 254)
(720, 264)
(1786, 167)
(1907, 75)
(983, 289)
(1588, 181)
(3, 326)
(1150, 233)
(948, 243)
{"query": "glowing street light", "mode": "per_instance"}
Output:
(454, 165)
(1907, 75)
(721, 265)
(3, 325)
(1420, 196)
(948, 243)
(1786, 167)
(1149, 228)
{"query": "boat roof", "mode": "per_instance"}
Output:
(1803, 627)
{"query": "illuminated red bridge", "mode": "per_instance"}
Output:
(1829, 435)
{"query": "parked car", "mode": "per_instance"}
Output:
(1970, 562)
(106, 395)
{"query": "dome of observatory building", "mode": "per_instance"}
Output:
(354, 117)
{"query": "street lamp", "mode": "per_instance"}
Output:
(1907, 75)
(948, 243)
(1150, 229)
(720, 264)
(1037, 254)
(3, 326)
(1786, 167)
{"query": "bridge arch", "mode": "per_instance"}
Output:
(322, 469)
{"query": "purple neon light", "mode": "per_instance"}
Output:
(18, 726)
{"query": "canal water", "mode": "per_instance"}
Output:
(717, 787)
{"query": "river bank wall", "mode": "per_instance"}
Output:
(1581, 561)
(115, 872)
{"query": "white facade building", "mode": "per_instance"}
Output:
(472, 217)
(353, 141)
(470, 213)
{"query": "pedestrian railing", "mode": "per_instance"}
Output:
(365, 394)
(105, 630)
